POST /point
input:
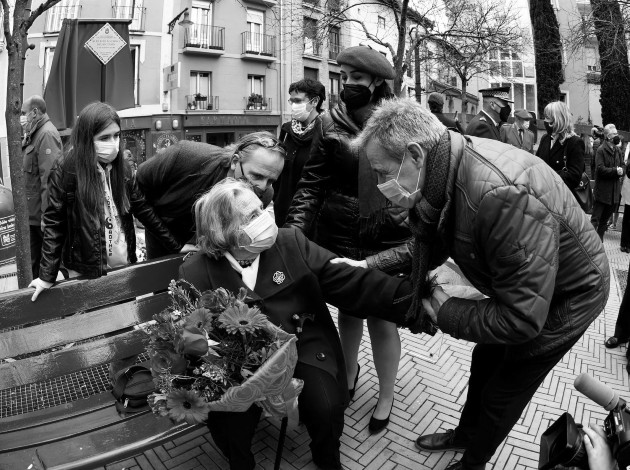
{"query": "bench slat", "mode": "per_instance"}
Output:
(74, 328)
(51, 365)
(78, 295)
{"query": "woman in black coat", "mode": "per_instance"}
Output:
(561, 148)
(240, 246)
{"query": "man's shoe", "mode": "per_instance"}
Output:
(614, 342)
(439, 442)
(455, 466)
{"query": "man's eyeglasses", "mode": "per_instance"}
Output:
(266, 142)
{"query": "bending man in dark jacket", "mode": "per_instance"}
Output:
(173, 180)
(518, 235)
(41, 147)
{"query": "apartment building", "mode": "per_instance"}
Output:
(203, 70)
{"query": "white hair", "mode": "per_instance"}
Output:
(610, 129)
(396, 123)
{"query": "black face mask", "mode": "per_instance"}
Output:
(548, 128)
(616, 140)
(505, 112)
(355, 96)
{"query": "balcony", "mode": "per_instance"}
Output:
(204, 39)
(333, 50)
(333, 99)
(198, 102)
(312, 48)
(56, 15)
(256, 103)
(137, 15)
(258, 46)
(593, 78)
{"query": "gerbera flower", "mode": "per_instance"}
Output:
(242, 319)
(187, 405)
(200, 318)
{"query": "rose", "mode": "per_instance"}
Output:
(192, 341)
(216, 301)
(164, 359)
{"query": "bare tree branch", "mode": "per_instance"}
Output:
(38, 11)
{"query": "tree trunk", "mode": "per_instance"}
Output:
(400, 52)
(548, 51)
(613, 57)
(16, 50)
(416, 64)
(463, 118)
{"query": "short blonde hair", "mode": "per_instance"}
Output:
(562, 119)
(218, 217)
(398, 121)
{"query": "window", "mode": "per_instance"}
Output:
(334, 86)
(311, 45)
(131, 9)
(256, 84)
(49, 53)
(334, 42)
(199, 32)
(200, 83)
(311, 73)
(255, 23)
(65, 9)
(506, 64)
(380, 23)
(453, 81)
(526, 100)
(135, 57)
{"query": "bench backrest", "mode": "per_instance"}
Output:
(43, 335)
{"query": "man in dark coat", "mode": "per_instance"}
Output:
(296, 135)
(496, 109)
(436, 104)
(517, 234)
(518, 133)
(608, 172)
(41, 146)
(174, 179)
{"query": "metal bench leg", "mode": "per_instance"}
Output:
(283, 434)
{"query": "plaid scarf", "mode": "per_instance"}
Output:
(423, 222)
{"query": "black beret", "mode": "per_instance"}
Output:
(367, 60)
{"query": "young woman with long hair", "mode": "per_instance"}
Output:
(88, 224)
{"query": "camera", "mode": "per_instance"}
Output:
(562, 445)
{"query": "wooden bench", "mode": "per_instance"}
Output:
(57, 409)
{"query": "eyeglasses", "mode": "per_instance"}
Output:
(267, 142)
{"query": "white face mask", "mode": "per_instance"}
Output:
(398, 195)
(262, 232)
(299, 112)
(106, 152)
(525, 124)
(23, 121)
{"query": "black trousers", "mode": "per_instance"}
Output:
(36, 236)
(622, 327)
(499, 389)
(625, 227)
(321, 405)
(599, 218)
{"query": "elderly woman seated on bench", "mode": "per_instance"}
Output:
(240, 246)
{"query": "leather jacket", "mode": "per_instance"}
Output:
(326, 204)
(519, 236)
(77, 237)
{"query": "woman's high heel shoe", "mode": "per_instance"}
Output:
(377, 425)
(356, 379)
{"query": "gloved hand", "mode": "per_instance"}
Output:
(39, 286)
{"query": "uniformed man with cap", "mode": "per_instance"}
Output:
(496, 109)
(518, 133)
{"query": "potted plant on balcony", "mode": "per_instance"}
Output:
(264, 106)
(254, 101)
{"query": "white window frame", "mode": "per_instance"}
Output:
(252, 84)
(256, 29)
(49, 54)
(58, 13)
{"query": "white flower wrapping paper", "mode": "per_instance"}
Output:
(454, 283)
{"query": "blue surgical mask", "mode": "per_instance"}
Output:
(398, 195)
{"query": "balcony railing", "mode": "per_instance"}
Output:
(56, 15)
(333, 99)
(137, 15)
(333, 50)
(199, 102)
(258, 43)
(260, 105)
(312, 47)
(594, 78)
(205, 37)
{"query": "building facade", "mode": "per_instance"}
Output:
(203, 70)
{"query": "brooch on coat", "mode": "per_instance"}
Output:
(278, 277)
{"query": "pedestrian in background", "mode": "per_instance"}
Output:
(608, 169)
(436, 105)
(496, 109)
(41, 147)
(518, 133)
(338, 206)
(88, 224)
(561, 148)
(306, 99)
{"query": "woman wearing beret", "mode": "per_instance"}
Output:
(338, 205)
(240, 246)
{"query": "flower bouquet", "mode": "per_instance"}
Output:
(210, 351)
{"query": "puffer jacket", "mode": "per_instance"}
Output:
(325, 206)
(518, 234)
(77, 237)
